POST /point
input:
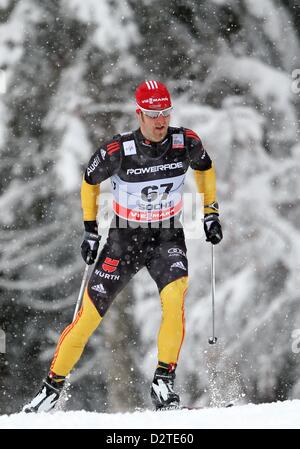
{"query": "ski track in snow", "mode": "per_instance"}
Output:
(279, 415)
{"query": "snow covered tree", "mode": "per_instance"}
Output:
(47, 135)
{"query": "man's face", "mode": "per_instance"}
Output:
(154, 129)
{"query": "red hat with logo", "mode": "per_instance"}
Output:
(153, 95)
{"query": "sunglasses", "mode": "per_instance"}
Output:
(156, 114)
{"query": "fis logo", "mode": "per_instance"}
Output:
(177, 141)
(129, 148)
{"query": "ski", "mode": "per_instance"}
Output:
(186, 407)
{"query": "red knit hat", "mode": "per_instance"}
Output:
(153, 95)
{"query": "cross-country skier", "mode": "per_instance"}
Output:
(147, 168)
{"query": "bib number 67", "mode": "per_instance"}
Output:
(150, 193)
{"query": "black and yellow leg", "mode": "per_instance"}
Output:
(172, 329)
(74, 338)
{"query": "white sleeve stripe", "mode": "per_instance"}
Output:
(148, 85)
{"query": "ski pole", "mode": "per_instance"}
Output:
(213, 340)
(81, 291)
(64, 394)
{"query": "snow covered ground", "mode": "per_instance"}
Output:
(280, 415)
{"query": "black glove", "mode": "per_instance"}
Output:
(90, 244)
(212, 228)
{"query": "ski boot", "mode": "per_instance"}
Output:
(162, 393)
(47, 397)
